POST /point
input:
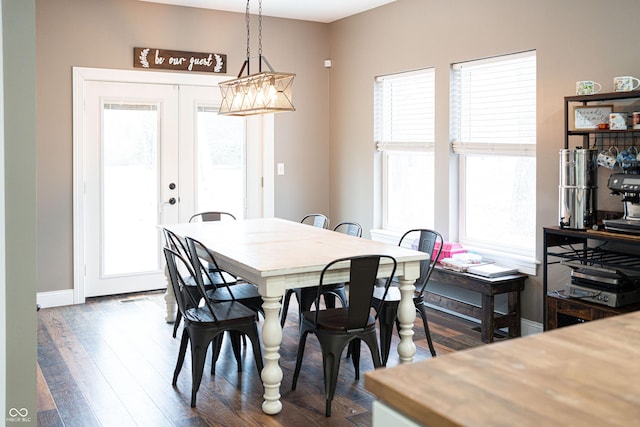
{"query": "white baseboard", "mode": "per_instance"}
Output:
(529, 327)
(55, 298)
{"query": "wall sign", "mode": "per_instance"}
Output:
(147, 57)
(589, 117)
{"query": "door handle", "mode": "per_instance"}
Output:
(171, 201)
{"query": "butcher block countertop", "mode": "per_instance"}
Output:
(581, 375)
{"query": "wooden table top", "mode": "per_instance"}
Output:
(259, 249)
(581, 375)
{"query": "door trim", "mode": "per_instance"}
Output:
(82, 75)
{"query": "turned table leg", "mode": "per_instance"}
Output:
(271, 338)
(406, 317)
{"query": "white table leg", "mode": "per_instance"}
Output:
(406, 317)
(170, 300)
(271, 338)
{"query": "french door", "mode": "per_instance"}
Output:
(152, 154)
(131, 183)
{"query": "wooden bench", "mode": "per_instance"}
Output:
(488, 288)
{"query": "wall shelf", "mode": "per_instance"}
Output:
(599, 138)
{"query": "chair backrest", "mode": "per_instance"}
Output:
(317, 220)
(350, 228)
(173, 242)
(175, 265)
(429, 241)
(196, 251)
(363, 271)
(211, 216)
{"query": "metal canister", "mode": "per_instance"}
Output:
(578, 185)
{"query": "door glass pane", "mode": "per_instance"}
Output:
(220, 162)
(130, 237)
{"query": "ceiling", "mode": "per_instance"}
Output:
(307, 10)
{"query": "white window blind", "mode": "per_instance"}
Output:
(494, 105)
(404, 133)
(493, 125)
(404, 105)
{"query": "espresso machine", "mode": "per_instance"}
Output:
(626, 184)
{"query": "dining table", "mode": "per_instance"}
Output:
(276, 255)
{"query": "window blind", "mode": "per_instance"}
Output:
(494, 105)
(405, 110)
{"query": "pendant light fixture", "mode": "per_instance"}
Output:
(260, 93)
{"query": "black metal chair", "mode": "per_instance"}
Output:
(305, 296)
(214, 216)
(211, 216)
(219, 277)
(316, 220)
(337, 289)
(338, 327)
(350, 228)
(206, 324)
(428, 241)
(222, 290)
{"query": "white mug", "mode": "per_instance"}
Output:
(587, 87)
(625, 83)
(608, 158)
(618, 121)
(636, 119)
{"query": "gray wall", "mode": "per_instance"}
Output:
(573, 40)
(327, 144)
(103, 33)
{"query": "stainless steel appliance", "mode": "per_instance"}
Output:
(612, 287)
(599, 296)
(627, 185)
(578, 185)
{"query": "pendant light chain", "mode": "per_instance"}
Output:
(260, 28)
(246, 14)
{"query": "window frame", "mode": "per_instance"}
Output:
(464, 149)
(385, 146)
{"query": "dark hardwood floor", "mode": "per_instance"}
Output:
(110, 362)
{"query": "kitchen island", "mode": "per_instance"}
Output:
(584, 375)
